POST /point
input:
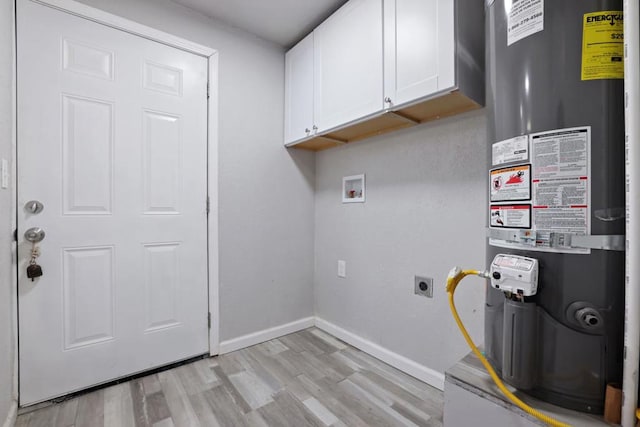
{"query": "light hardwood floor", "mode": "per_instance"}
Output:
(304, 379)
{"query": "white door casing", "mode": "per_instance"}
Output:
(112, 139)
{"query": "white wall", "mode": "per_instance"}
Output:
(266, 193)
(425, 189)
(7, 337)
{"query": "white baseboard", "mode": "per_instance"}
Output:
(427, 375)
(265, 335)
(11, 416)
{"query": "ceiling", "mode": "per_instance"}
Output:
(284, 22)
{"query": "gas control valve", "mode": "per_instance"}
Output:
(515, 274)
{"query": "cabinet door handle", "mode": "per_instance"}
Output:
(306, 130)
(388, 100)
(315, 128)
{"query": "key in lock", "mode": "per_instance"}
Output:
(34, 271)
(34, 235)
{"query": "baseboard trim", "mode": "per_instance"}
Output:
(12, 415)
(265, 335)
(421, 372)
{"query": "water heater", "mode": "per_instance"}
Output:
(556, 195)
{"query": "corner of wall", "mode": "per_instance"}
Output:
(265, 335)
(398, 361)
(12, 415)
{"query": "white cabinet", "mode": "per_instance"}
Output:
(298, 104)
(375, 66)
(418, 49)
(348, 64)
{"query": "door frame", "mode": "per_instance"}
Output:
(101, 17)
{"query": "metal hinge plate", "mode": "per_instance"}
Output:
(209, 320)
(208, 205)
(606, 242)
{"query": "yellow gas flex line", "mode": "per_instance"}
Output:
(455, 276)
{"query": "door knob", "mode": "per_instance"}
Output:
(33, 206)
(34, 235)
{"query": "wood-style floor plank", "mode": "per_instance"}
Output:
(23, 420)
(375, 381)
(331, 402)
(118, 407)
(382, 407)
(329, 339)
(291, 343)
(224, 408)
(255, 419)
(319, 410)
(44, 417)
(261, 371)
(90, 409)
(181, 408)
(295, 411)
(254, 391)
(67, 413)
(235, 395)
(279, 372)
(158, 408)
(202, 414)
(308, 378)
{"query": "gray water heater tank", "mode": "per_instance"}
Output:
(553, 79)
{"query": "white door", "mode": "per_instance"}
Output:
(348, 64)
(112, 140)
(298, 91)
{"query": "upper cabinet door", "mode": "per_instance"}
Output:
(419, 51)
(298, 91)
(348, 64)
(447, 78)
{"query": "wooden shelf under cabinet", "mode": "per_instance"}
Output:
(388, 121)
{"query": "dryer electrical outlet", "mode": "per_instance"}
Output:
(423, 286)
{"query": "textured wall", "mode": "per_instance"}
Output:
(424, 214)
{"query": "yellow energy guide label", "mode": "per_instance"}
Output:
(603, 45)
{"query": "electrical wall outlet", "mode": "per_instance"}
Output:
(423, 286)
(342, 268)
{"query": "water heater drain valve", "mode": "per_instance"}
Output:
(515, 274)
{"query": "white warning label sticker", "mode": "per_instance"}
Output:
(511, 216)
(560, 193)
(509, 184)
(560, 219)
(561, 184)
(526, 17)
(510, 150)
(561, 153)
(570, 192)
